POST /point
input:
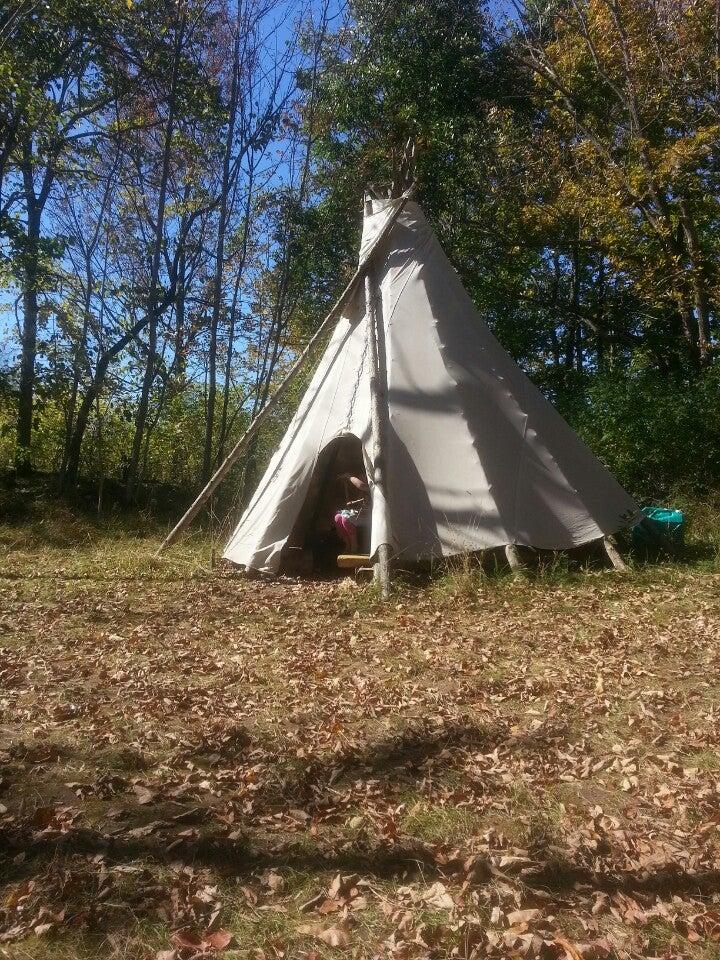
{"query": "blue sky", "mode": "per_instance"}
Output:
(283, 25)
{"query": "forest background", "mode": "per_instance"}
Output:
(180, 202)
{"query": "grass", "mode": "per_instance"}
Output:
(297, 765)
(437, 824)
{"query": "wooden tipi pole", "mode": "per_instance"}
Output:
(378, 412)
(514, 559)
(612, 553)
(242, 444)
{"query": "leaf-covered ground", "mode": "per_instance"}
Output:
(195, 765)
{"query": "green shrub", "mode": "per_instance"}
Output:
(661, 438)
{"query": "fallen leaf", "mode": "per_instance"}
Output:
(273, 881)
(144, 794)
(336, 936)
(517, 917)
(219, 940)
(438, 896)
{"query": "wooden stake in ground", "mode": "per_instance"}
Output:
(612, 552)
(378, 417)
(244, 441)
(514, 559)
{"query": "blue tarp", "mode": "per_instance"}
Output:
(660, 524)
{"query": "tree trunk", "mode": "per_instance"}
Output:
(77, 357)
(281, 315)
(30, 278)
(210, 403)
(223, 431)
(571, 341)
(240, 269)
(93, 391)
(103, 363)
(600, 316)
(74, 451)
(152, 301)
(180, 357)
(702, 303)
(80, 361)
(143, 407)
(217, 300)
(23, 461)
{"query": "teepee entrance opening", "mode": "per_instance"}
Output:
(317, 539)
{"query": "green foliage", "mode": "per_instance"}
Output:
(660, 437)
(569, 166)
(174, 446)
(422, 71)
(628, 138)
(566, 170)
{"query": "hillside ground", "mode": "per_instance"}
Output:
(194, 764)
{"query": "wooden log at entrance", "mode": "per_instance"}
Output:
(352, 561)
(244, 441)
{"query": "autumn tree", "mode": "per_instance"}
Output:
(53, 64)
(630, 120)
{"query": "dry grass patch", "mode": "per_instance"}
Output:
(197, 765)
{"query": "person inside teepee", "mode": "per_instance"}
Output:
(355, 512)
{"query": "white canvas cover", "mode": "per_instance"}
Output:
(476, 456)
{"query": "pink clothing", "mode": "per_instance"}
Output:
(345, 527)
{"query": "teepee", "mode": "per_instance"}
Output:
(462, 451)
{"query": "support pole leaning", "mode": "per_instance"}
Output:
(244, 441)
